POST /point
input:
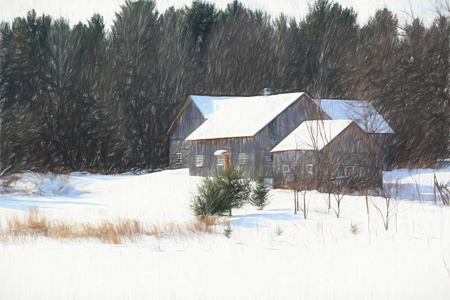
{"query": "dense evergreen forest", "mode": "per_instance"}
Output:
(91, 98)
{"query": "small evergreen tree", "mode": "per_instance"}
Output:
(210, 200)
(259, 196)
(227, 231)
(237, 187)
(221, 193)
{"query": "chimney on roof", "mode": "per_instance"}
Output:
(267, 91)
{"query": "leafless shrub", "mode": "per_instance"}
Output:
(444, 191)
(417, 183)
(10, 180)
(8, 183)
(338, 189)
(338, 199)
(390, 206)
(305, 207)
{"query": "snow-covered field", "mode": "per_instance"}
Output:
(271, 254)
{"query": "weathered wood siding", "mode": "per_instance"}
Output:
(296, 162)
(190, 120)
(303, 109)
(257, 148)
(385, 142)
(210, 162)
(352, 148)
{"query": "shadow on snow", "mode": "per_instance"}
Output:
(24, 204)
(258, 220)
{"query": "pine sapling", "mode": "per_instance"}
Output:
(260, 195)
(227, 231)
(354, 228)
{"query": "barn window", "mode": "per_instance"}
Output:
(272, 134)
(220, 161)
(362, 171)
(242, 159)
(351, 171)
(348, 170)
(178, 158)
(268, 159)
(310, 169)
(286, 169)
(199, 161)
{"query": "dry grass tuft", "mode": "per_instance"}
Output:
(212, 220)
(35, 224)
(198, 227)
(111, 236)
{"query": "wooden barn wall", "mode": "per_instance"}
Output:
(385, 142)
(352, 147)
(235, 146)
(191, 119)
(301, 110)
(257, 148)
(261, 151)
(296, 161)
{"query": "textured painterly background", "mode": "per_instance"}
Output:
(90, 89)
(95, 85)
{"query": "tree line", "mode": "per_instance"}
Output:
(90, 98)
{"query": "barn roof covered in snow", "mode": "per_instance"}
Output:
(312, 135)
(359, 111)
(242, 116)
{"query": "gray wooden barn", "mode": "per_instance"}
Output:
(322, 151)
(248, 128)
(363, 114)
(249, 131)
(195, 111)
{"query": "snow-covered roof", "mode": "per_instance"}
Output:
(242, 116)
(208, 104)
(359, 111)
(312, 135)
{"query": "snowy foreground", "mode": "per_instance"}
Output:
(271, 254)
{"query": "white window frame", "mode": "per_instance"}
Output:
(348, 170)
(353, 171)
(199, 161)
(362, 172)
(242, 158)
(268, 159)
(309, 168)
(286, 169)
(178, 158)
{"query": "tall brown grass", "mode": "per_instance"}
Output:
(36, 224)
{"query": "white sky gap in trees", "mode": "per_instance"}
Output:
(82, 10)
